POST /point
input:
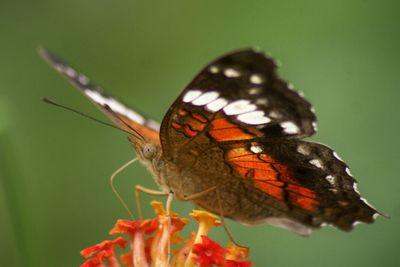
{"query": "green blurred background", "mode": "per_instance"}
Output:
(54, 166)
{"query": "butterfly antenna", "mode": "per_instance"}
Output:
(112, 178)
(51, 102)
(134, 132)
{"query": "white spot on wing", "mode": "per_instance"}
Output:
(314, 125)
(366, 202)
(239, 107)
(231, 73)
(289, 127)
(262, 101)
(205, 98)
(254, 117)
(303, 149)
(70, 72)
(82, 79)
(348, 171)
(96, 97)
(217, 104)
(336, 155)
(59, 67)
(153, 124)
(275, 114)
(114, 106)
(255, 90)
(256, 149)
(355, 188)
(331, 179)
(256, 79)
(214, 69)
(133, 116)
(317, 163)
(190, 95)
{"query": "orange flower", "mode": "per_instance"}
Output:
(150, 244)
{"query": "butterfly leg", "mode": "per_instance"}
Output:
(112, 177)
(227, 231)
(199, 194)
(202, 193)
(168, 208)
(148, 191)
(139, 189)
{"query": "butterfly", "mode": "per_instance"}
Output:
(236, 133)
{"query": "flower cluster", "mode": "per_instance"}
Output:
(149, 243)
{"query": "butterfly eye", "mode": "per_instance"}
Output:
(148, 151)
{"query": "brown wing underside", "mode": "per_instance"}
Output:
(300, 180)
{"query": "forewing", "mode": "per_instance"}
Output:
(244, 87)
(119, 113)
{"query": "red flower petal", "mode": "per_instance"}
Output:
(97, 261)
(208, 252)
(94, 262)
(130, 227)
(127, 259)
(106, 245)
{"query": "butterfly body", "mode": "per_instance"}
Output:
(235, 133)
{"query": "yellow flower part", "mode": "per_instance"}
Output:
(167, 234)
(206, 221)
(235, 252)
(158, 207)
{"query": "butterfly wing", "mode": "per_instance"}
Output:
(119, 113)
(310, 178)
(237, 126)
(244, 86)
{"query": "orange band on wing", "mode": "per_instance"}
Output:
(305, 203)
(230, 134)
(222, 123)
(176, 125)
(182, 112)
(199, 117)
(190, 132)
(191, 124)
(194, 124)
(271, 177)
(272, 190)
(224, 130)
(239, 153)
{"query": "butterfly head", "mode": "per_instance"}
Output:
(146, 149)
(149, 150)
(143, 133)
